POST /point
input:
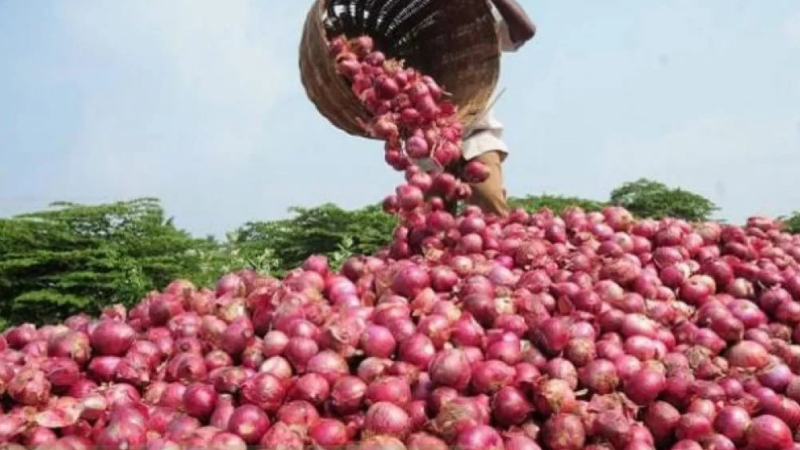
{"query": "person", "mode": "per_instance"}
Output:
(485, 141)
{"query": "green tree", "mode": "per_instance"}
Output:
(791, 223)
(647, 198)
(556, 203)
(74, 257)
(326, 229)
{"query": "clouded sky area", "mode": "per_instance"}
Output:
(199, 103)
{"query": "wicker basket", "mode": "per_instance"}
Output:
(454, 41)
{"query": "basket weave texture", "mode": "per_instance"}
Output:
(454, 41)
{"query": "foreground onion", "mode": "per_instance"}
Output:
(386, 419)
(249, 423)
(768, 432)
(564, 432)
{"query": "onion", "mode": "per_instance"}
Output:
(564, 432)
(70, 344)
(450, 368)
(424, 441)
(265, 391)
(311, 387)
(645, 386)
(275, 342)
(748, 355)
(386, 419)
(391, 389)
(348, 394)
(418, 350)
(768, 432)
(553, 396)
(510, 407)
(490, 376)
(479, 437)
(281, 435)
(693, 426)
(661, 418)
(29, 387)
(249, 423)
(328, 433)
(199, 400)
(454, 416)
(600, 376)
(112, 338)
(121, 435)
(223, 411)
(378, 341)
(733, 422)
(552, 335)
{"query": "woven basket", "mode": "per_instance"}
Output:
(454, 41)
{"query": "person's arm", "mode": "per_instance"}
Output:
(521, 28)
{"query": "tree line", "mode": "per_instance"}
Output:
(73, 258)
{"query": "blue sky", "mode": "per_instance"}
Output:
(199, 103)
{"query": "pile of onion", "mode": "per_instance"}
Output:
(590, 330)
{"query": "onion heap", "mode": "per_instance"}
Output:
(535, 331)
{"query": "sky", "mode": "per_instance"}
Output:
(199, 103)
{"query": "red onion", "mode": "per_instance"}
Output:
(275, 343)
(425, 441)
(249, 423)
(418, 350)
(121, 435)
(328, 433)
(199, 400)
(661, 418)
(451, 368)
(552, 335)
(387, 419)
(281, 435)
(553, 396)
(311, 387)
(223, 411)
(510, 407)
(768, 432)
(733, 422)
(748, 355)
(644, 386)
(489, 376)
(600, 376)
(564, 432)
(112, 338)
(300, 350)
(348, 394)
(378, 341)
(693, 426)
(265, 391)
(391, 389)
(29, 387)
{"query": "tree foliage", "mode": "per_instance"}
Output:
(327, 229)
(73, 257)
(791, 223)
(556, 203)
(647, 198)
